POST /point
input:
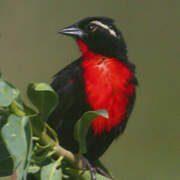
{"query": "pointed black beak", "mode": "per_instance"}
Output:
(71, 31)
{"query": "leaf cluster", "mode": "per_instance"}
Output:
(28, 146)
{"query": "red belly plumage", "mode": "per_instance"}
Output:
(107, 85)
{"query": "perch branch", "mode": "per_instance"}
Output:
(45, 139)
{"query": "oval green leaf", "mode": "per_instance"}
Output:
(43, 97)
(8, 93)
(6, 161)
(14, 136)
(52, 171)
(82, 127)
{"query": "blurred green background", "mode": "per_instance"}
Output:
(31, 50)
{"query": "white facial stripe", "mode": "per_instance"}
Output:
(112, 32)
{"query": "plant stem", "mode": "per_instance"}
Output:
(45, 139)
(16, 109)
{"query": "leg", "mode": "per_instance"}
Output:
(93, 170)
(88, 166)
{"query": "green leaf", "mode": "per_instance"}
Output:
(43, 97)
(14, 136)
(82, 127)
(52, 171)
(8, 93)
(6, 161)
(28, 131)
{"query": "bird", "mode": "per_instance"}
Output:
(102, 78)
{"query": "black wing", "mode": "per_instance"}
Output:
(68, 83)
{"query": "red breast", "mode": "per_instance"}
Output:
(107, 85)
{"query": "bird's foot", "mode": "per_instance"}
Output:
(93, 170)
(87, 165)
(102, 172)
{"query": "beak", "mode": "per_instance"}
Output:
(71, 31)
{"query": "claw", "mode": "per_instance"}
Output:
(102, 172)
(93, 170)
(87, 165)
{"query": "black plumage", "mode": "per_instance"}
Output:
(69, 84)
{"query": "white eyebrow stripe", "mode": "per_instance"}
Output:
(112, 32)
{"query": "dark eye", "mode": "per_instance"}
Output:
(91, 27)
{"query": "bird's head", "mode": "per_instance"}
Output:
(100, 35)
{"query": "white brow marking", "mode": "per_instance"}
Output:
(112, 32)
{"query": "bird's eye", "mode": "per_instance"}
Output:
(91, 27)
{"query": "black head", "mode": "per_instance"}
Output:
(100, 35)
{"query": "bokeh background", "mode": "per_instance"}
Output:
(31, 50)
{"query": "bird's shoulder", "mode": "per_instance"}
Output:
(67, 76)
(68, 84)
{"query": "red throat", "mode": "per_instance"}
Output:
(107, 85)
(83, 47)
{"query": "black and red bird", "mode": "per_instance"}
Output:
(102, 78)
